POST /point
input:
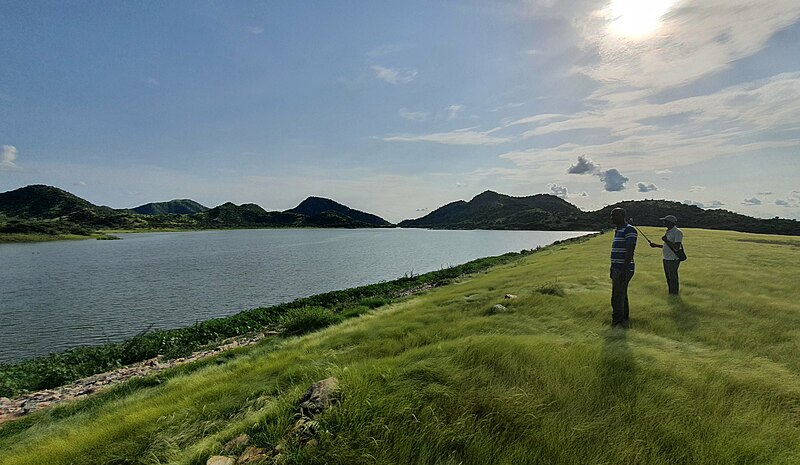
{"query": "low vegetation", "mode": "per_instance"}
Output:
(295, 317)
(711, 377)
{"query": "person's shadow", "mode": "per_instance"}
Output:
(684, 315)
(617, 372)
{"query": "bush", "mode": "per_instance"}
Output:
(306, 319)
(551, 288)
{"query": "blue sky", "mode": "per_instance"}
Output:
(397, 108)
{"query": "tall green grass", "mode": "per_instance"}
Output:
(61, 368)
(711, 377)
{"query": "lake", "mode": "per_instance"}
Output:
(58, 295)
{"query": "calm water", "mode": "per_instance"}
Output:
(58, 295)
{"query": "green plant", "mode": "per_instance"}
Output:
(306, 319)
(551, 288)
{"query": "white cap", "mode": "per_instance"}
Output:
(670, 218)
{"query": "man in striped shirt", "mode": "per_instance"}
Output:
(622, 267)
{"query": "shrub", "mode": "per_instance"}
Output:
(551, 288)
(306, 319)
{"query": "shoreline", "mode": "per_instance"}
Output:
(25, 404)
(58, 369)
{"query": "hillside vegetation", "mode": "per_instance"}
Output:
(39, 212)
(711, 377)
(176, 207)
(491, 210)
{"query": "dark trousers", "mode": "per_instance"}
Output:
(619, 297)
(671, 272)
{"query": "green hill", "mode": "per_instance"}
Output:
(40, 211)
(335, 212)
(491, 210)
(175, 207)
(711, 377)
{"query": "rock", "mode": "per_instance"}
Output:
(221, 460)
(319, 397)
(253, 455)
(498, 309)
(299, 426)
(510, 296)
(29, 406)
(312, 443)
(236, 443)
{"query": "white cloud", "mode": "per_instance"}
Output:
(781, 202)
(152, 81)
(692, 202)
(80, 183)
(766, 193)
(413, 115)
(584, 165)
(751, 202)
(661, 136)
(508, 106)
(614, 181)
(691, 42)
(8, 155)
(715, 204)
(558, 191)
(666, 171)
(697, 188)
(386, 49)
(255, 30)
(394, 76)
(459, 137)
(646, 187)
(454, 110)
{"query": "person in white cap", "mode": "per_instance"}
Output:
(673, 240)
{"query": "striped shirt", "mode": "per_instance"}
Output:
(623, 237)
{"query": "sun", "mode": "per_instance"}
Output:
(636, 19)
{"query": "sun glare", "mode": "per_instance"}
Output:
(636, 19)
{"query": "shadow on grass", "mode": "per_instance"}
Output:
(617, 372)
(683, 314)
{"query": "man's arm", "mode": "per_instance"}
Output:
(628, 256)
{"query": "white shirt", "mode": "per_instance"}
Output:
(674, 235)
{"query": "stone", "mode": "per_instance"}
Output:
(498, 309)
(320, 396)
(221, 460)
(236, 443)
(253, 455)
(510, 296)
(312, 443)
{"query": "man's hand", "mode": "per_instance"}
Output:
(654, 245)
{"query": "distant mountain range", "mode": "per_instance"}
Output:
(491, 210)
(40, 209)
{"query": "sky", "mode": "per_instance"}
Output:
(397, 108)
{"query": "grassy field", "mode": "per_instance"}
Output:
(12, 238)
(712, 377)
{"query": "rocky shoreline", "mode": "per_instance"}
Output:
(11, 409)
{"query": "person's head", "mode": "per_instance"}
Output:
(618, 217)
(669, 221)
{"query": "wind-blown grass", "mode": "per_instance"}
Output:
(61, 368)
(708, 378)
